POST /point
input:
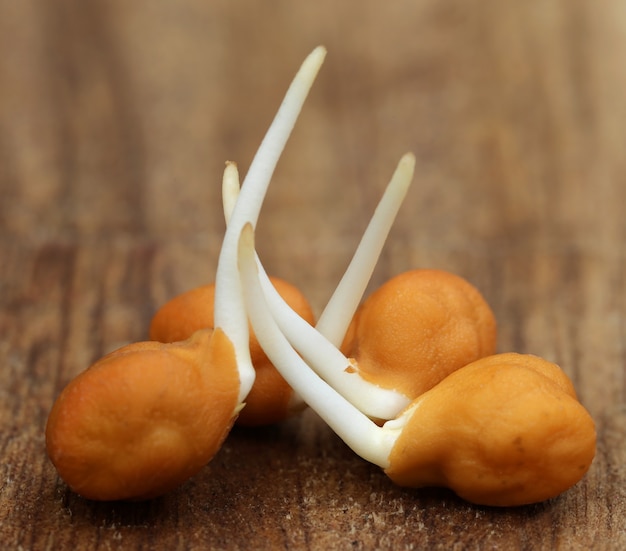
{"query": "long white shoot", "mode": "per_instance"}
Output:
(336, 317)
(230, 313)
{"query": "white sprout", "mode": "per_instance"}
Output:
(230, 313)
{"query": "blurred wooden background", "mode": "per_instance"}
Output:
(115, 121)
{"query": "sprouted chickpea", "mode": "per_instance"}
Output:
(504, 430)
(148, 416)
(407, 336)
(419, 327)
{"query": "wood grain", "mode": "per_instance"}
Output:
(115, 122)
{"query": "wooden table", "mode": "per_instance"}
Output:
(115, 121)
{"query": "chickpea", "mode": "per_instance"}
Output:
(145, 418)
(504, 430)
(419, 327)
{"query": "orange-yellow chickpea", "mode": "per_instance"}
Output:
(145, 418)
(419, 327)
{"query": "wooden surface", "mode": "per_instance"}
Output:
(115, 121)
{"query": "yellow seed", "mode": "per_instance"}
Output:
(145, 418)
(418, 328)
(504, 430)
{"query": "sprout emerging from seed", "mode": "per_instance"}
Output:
(504, 430)
(146, 417)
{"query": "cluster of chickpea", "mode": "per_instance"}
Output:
(409, 379)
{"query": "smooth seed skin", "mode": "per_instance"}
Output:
(497, 432)
(269, 401)
(419, 327)
(144, 418)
